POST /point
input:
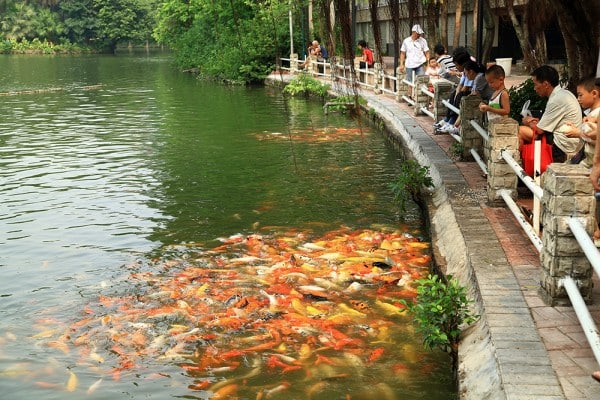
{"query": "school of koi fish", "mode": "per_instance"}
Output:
(259, 317)
(326, 134)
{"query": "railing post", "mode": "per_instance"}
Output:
(567, 193)
(294, 63)
(469, 110)
(421, 99)
(441, 91)
(312, 65)
(503, 137)
(402, 88)
(378, 70)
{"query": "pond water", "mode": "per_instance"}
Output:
(163, 237)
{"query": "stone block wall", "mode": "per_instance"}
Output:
(567, 193)
(503, 137)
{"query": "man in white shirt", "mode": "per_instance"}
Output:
(414, 52)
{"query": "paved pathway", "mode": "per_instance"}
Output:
(541, 352)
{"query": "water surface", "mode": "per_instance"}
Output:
(119, 172)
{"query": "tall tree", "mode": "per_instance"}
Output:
(374, 11)
(457, 23)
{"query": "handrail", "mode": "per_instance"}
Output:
(527, 180)
(583, 315)
(450, 106)
(480, 130)
(514, 208)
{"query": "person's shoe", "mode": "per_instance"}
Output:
(453, 130)
(439, 124)
(446, 128)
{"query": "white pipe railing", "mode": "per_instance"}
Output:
(479, 161)
(527, 180)
(586, 243)
(450, 106)
(482, 132)
(583, 315)
(516, 211)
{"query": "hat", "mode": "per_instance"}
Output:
(417, 28)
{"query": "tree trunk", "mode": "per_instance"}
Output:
(373, 8)
(457, 24)
(433, 12)
(578, 20)
(522, 32)
(488, 34)
(444, 24)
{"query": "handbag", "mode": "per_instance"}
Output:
(527, 154)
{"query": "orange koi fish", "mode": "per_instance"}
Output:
(375, 354)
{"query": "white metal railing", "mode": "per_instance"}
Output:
(411, 89)
(581, 310)
(426, 92)
(532, 184)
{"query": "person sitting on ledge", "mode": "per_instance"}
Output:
(562, 109)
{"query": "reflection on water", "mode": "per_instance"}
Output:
(133, 167)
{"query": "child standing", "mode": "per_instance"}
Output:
(499, 104)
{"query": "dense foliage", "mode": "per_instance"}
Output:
(54, 26)
(237, 40)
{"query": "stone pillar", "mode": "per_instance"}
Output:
(567, 193)
(294, 63)
(441, 90)
(421, 99)
(313, 68)
(378, 69)
(469, 110)
(401, 86)
(503, 137)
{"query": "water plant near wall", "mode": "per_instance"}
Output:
(408, 185)
(440, 309)
(304, 84)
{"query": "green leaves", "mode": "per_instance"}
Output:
(408, 185)
(304, 84)
(520, 94)
(440, 309)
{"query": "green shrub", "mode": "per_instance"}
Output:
(411, 179)
(440, 309)
(304, 84)
(520, 94)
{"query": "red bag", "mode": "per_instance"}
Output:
(527, 152)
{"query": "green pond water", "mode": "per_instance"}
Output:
(163, 237)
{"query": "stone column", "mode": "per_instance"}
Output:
(312, 65)
(469, 110)
(441, 90)
(401, 86)
(567, 193)
(421, 99)
(503, 137)
(378, 70)
(294, 63)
